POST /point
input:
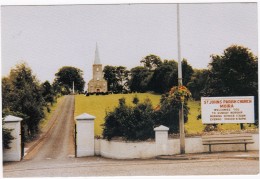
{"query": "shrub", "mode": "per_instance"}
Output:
(138, 122)
(170, 104)
(7, 138)
(211, 127)
(131, 123)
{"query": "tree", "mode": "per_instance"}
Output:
(22, 94)
(234, 73)
(65, 78)
(117, 78)
(164, 77)
(47, 92)
(122, 79)
(187, 72)
(110, 77)
(139, 79)
(151, 61)
(198, 82)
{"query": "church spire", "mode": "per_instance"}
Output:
(97, 59)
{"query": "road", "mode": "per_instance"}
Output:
(58, 144)
(54, 157)
(97, 166)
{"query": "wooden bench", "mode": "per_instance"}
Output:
(227, 139)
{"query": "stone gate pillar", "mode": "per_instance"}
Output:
(161, 140)
(85, 135)
(15, 151)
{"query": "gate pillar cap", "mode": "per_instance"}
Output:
(11, 118)
(85, 116)
(161, 128)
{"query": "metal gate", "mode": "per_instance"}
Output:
(22, 140)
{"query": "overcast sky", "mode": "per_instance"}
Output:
(49, 37)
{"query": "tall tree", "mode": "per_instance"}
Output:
(234, 73)
(110, 77)
(198, 82)
(66, 76)
(140, 78)
(187, 72)
(164, 77)
(117, 78)
(47, 92)
(22, 94)
(151, 61)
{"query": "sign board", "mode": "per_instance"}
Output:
(227, 109)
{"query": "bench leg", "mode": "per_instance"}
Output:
(209, 148)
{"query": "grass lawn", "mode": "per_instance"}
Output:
(98, 105)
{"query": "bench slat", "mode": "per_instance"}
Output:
(225, 136)
(228, 142)
(226, 139)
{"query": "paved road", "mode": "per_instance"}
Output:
(58, 144)
(97, 166)
(54, 157)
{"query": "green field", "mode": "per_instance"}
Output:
(98, 105)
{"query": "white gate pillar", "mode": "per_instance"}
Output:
(85, 135)
(161, 140)
(14, 153)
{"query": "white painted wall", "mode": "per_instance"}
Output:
(142, 150)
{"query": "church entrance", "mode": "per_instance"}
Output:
(98, 90)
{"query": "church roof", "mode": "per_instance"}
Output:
(97, 59)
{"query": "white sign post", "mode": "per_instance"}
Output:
(227, 109)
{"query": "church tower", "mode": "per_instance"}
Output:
(97, 83)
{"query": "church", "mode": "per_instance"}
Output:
(97, 84)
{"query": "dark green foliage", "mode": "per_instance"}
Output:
(235, 73)
(151, 61)
(140, 78)
(139, 125)
(22, 94)
(164, 77)
(197, 83)
(131, 123)
(7, 138)
(65, 77)
(47, 92)
(138, 122)
(114, 120)
(135, 100)
(168, 115)
(117, 78)
(187, 72)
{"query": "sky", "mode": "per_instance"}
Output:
(50, 37)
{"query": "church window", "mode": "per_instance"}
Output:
(97, 79)
(97, 69)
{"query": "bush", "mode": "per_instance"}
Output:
(131, 123)
(138, 122)
(211, 127)
(7, 138)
